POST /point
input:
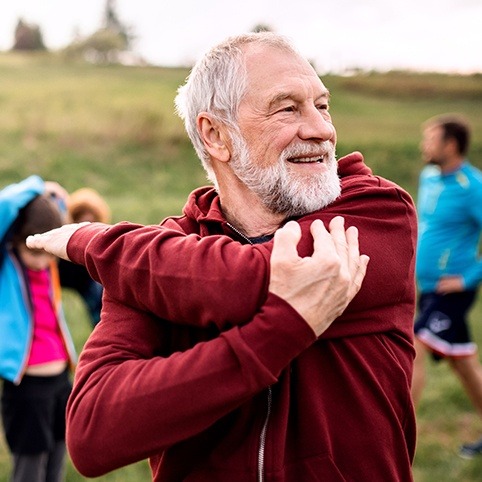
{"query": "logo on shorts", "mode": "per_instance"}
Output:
(438, 322)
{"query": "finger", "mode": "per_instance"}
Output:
(338, 233)
(54, 242)
(49, 241)
(360, 273)
(38, 241)
(322, 240)
(286, 240)
(353, 248)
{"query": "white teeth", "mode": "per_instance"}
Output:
(307, 159)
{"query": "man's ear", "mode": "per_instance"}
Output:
(214, 136)
(452, 146)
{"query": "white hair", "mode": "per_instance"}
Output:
(217, 84)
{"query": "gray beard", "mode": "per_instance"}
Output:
(281, 190)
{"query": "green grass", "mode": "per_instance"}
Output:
(114, 129)
(445, 420)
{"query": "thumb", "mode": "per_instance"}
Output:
(286, 240)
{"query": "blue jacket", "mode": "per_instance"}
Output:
(16, 321)
(450, 225)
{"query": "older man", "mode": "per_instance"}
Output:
(200, 361)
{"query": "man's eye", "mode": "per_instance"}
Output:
(323, 107)
(288, 108)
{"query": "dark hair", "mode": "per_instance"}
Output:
(454, 127)
(39, 215)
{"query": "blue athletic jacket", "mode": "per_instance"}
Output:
(450, 225)
(16, 323)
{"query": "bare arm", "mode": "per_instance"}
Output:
(168, 273)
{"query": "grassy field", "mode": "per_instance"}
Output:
(114, 129)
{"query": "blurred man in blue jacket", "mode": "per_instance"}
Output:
(448, 268)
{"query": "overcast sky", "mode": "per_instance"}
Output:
(437, 35)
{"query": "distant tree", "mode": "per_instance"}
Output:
(28, 37)
(114, 25)
(103, 46)
(107, 43)
(262, 27)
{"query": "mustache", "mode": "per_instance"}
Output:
(307, 149)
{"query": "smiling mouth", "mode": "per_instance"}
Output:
(306, 160)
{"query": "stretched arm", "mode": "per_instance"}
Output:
(134, 389)
(177, 276)
(166, 272)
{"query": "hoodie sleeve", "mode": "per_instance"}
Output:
(183, 278)
(130, 402)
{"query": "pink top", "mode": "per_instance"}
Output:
(47, 344)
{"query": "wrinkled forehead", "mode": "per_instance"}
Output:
(271, 71)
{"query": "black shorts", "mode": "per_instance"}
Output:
(442, 324)
(33, 412)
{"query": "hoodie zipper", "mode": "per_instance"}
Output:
(239, 233)
(262, 436)
(269, 400)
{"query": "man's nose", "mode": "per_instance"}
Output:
(315, 125)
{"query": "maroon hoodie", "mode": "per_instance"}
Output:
(236, 380)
